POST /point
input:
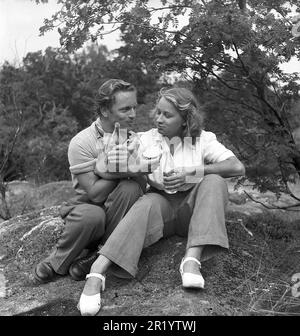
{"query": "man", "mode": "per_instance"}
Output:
(101, 202)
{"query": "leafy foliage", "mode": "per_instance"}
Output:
(53, 92)
(232, 52)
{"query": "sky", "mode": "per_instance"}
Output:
(19, 28)
(20, 21)
(19, 31)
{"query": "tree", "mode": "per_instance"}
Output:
(44, 123)
(232, 51)
(55, 92)
(6, 153)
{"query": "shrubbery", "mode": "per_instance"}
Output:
(50, 98)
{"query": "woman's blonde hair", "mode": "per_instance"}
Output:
(188, 107)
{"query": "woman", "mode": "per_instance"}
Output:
(187, 197)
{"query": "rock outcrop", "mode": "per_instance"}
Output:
(230, 277)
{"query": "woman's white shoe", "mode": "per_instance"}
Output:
(89, 305)
(191, 280)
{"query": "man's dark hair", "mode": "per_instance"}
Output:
(105, 97)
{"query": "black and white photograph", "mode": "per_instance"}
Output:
(149, 162)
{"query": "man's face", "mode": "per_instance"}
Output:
(124, 109)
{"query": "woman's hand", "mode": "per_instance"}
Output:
(123, 158)
(174, 179)
(180, 177)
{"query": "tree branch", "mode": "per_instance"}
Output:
(260, 95)
(153, 9)
(211, 72)
(226, 98)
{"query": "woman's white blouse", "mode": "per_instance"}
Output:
(207, 149)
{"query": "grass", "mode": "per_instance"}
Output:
(273, 258)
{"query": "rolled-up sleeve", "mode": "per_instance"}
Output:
(213, 150)
(81, 159)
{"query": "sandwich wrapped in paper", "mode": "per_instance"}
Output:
(153, 151)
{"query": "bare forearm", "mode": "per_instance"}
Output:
(227, 168)
(119, 176)
(100, 190)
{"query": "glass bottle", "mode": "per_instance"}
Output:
(168, 167)
(113, 140)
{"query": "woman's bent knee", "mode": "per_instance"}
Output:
(215, 180)
(152, 199)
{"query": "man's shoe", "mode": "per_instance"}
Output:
(44, 272)
(81, 267)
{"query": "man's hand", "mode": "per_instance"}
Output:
(101, 164)
(124, 158)
(117, 159)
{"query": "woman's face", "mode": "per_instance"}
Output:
(168, 120)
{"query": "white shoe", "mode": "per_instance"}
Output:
(89, 305)
(191, 280)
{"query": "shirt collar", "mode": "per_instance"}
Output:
(99, 129)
